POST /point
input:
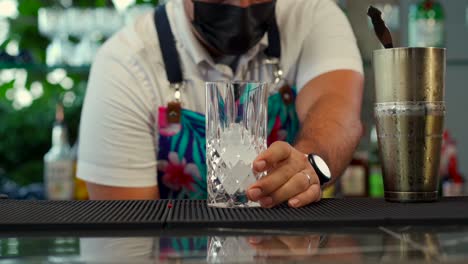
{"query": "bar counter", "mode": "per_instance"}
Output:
(187, 231)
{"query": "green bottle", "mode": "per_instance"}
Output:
(376, 183)
(426, 24)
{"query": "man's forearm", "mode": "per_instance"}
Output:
(332, 128)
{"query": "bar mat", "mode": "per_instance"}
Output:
(328, 212)
(67, 215)
(193, 214)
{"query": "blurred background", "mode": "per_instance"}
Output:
(47, 46)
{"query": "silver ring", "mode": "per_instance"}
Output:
(308, 177)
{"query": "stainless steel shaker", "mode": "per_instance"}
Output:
(409, 113)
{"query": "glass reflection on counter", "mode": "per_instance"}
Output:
(382, 245)
(312, 247)
(413, 246)
(220, 249)
(426, 246)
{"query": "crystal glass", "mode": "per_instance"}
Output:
(227, 249)
(84, 52)
(86, 24)
(52, 23)
(59, 50)
(49, 21)
(4, 29)
(90, 32)
(236, 132)
(108, 21)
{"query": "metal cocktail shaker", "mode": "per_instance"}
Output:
(409, 113)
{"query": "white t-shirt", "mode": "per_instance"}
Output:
(128, 83)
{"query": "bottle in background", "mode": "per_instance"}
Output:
(58, 162)
(376, 185)
(452, 181)
(354, 181)
(426, 24)
(81, 193)
(329, 192)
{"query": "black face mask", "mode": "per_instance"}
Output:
(232, 30)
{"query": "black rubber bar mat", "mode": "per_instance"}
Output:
(191, 214)
(71, 215)
(326, 213)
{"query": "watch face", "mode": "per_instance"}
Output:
(321, 166)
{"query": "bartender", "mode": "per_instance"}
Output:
(146, 96)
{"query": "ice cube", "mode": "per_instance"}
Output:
(237, 145)
(233, 180)
(226, 249)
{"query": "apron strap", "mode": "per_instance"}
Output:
(168, 47)
(274, 41)
(171, 57)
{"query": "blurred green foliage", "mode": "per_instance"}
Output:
(25, 134)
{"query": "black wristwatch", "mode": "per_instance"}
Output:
(320, 167)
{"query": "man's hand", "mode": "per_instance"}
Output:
(300, 246)
(287, 178)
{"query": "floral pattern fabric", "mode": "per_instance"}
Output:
(283, 123)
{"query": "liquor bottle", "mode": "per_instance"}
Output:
(376, 185)
(329, 192)
(81, 193)
(451, 180)
(355, 179)
(426, 24)
(58, 162)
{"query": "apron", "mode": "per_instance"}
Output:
(181, 151)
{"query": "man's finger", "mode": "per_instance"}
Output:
(267, 244)
(276, 153)
(295, 185)
(301, 244)
(312, 194)
(283, 172)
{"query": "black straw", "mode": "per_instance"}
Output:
(380, 28)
